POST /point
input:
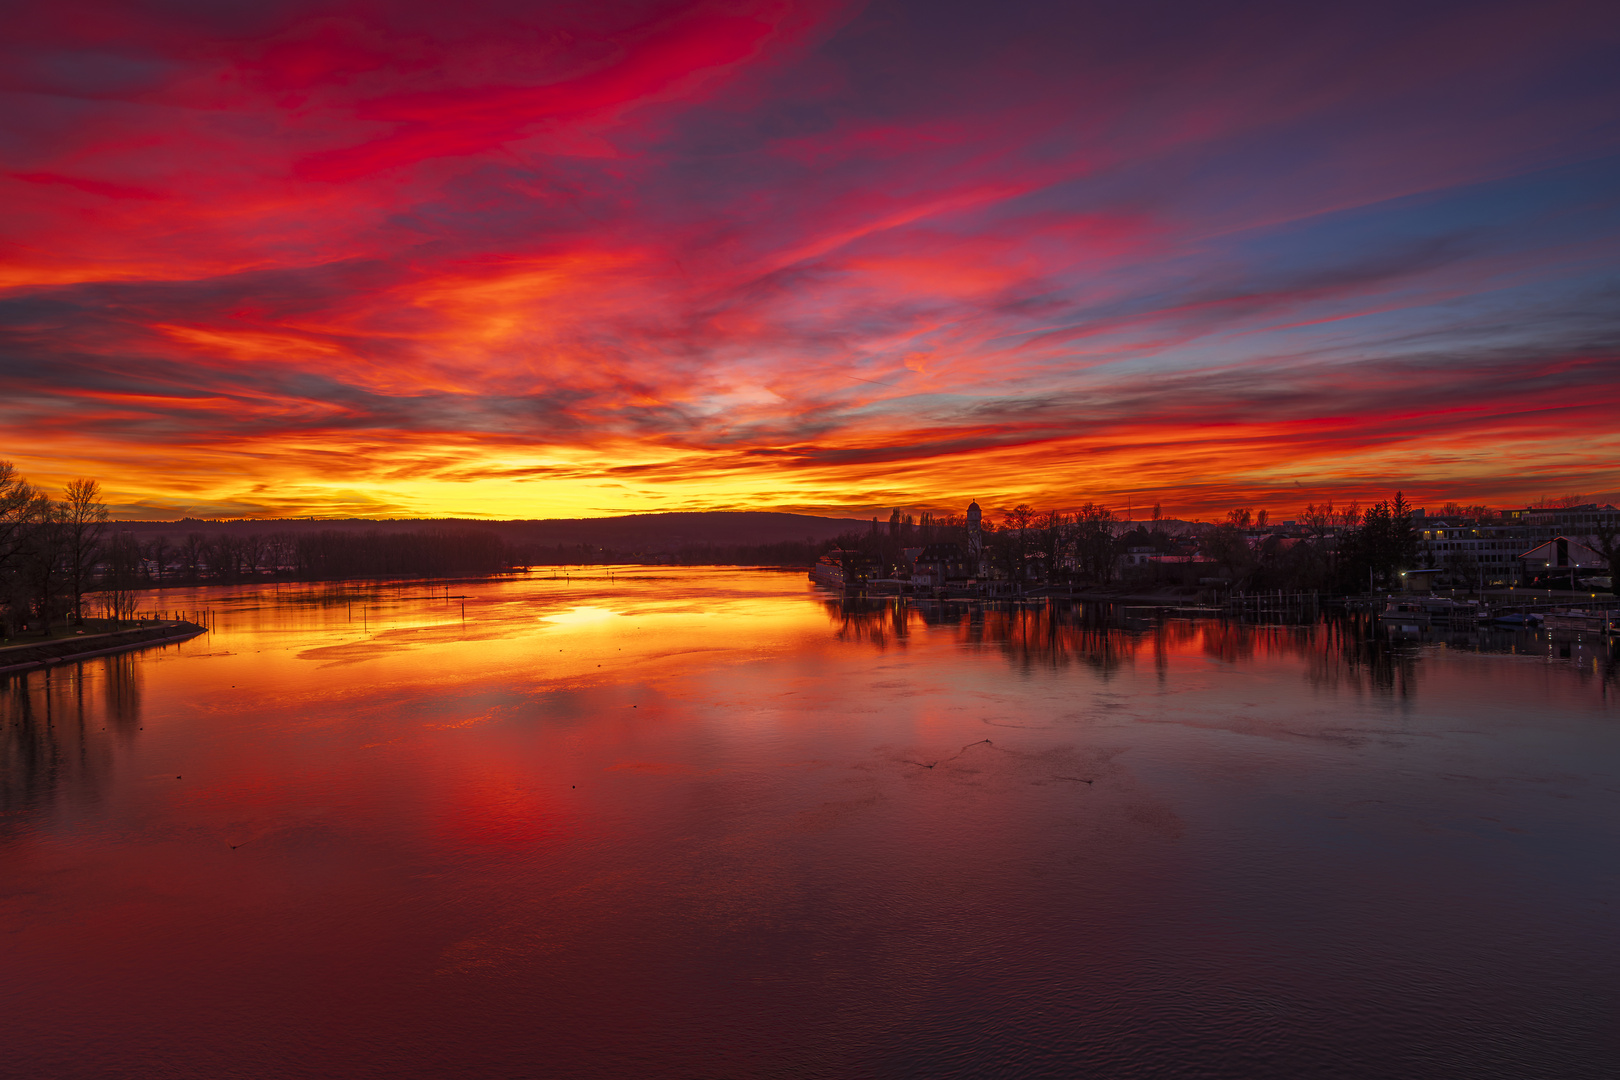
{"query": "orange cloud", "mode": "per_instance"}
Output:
(617, 258)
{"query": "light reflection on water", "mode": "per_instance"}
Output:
(717, 823)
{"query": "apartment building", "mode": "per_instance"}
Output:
(1490, 551)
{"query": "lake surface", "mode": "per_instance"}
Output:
(646, 822)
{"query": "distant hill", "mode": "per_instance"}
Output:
(631, 534)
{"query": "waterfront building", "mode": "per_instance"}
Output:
(1473, 552)
(1419, 581)
(1490, 551)
(1546, 522)
(1136, 556)
(939, 565)
(1560, 561)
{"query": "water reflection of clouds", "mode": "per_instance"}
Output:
(60, 730)
(578, 826)
(580, 616)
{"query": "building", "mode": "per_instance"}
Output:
(938, 565)
(1419, 581)
(1136, 556)
(1487, 551)
(975, 536)
(1560, 561)
(1546, 522)
(1472, 553)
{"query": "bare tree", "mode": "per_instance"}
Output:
(1094, 542)
(1054, 533)
(124, 557)
(284, 552)
(20, 506)
(224, 557)
(158, 552)
(17, 498)
(192, 551)
(84, 520)
(1319, 521)
(255, 551)
(1008, 547)
(1605, 538)
(44, 556)
(1229, 547)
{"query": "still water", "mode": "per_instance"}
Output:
(644, 822)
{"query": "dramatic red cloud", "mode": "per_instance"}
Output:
(531, 260)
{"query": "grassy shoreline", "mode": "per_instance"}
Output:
(69, 631)
(46, 652)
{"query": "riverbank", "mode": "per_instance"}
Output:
(1165, 597)
(26, 657)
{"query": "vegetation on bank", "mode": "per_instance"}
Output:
(1332, 551)
(70, 631)
(32, 651)
(62, 560)
(49, 551)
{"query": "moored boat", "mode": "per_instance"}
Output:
(1593, 621)
(1407, 614)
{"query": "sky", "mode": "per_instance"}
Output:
(521, 259)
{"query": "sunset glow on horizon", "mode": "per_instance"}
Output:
(519, 261)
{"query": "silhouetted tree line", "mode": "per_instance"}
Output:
(54, 553)
(1029, 547)
(332, 554)
(328, 555)
(880, 552)
(1332, 550)
(49, 549)
(785, 553)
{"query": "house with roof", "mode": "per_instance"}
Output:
(1562, 560)
(939, 564)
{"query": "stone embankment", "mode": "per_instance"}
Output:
(66, 650)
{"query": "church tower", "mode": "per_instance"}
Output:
(975, 537)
